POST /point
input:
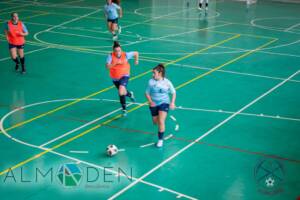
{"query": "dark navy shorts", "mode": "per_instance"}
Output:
(114, 21)
(11, 46)
(122, 81)
(162, 107)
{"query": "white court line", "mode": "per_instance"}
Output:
(175, 64)
(12, 8)
(62, 24)
(29, 52)
(158, 17)
(253, 23)
(79, 35)
(72, 158)
(153, 143)
(58, 5)
(200, 138)
(81, 127)
(79, 152)
(130, 43)
(223, 111)
(236, 50)
(292, 27)
(235, 72)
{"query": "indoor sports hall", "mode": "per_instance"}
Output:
(234, 132)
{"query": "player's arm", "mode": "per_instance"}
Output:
(172, 104)
(109, 63)
(6, 30)
(25, 30)
(136, 58)
(147, 94)
(151, 103)
(120, 12)
(133, 54)
(105, 13)
(173, 93)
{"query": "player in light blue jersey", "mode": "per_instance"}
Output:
(158, 95)
(112, 13)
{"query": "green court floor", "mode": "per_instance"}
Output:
(236, 69)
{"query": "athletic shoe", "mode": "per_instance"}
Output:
(132, 96)
(124, 113)
(206, 8)
(160, 143)
(199, 8)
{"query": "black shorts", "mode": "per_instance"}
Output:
(122, 81)
(162, 107)
(114, 21)
(11, 46)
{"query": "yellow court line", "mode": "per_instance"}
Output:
(103, 90)
(112, 119)
(162, 25)
(9, 12)
(92, 51)
(227, 63)
(5, 9)
(37, 15)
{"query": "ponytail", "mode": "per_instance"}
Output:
(160, 68)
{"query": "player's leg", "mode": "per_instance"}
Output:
(162, 115)
(14, 56)
(22, 57)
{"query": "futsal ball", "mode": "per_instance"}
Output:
(111, 150)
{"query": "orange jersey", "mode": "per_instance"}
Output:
(119, 70)
(13, 35)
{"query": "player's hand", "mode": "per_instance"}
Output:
(152, 104)
(172, 106)
(136, 62)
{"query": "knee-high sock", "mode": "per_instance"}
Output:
(16, 60)
(123, 101)
(23, 63)
(161, 135)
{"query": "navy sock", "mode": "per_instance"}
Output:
(206, 5)
(23, 63)
(123, 101)
(161, 135)
(16, 60)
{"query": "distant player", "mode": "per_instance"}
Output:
(119, 69)
(15, 32)
(112, 13)
(200, 4)
(157, 93)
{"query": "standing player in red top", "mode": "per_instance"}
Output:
(15, 32)
(119, 69)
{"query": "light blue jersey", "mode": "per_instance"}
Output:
(111, 11)
(159, 90)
